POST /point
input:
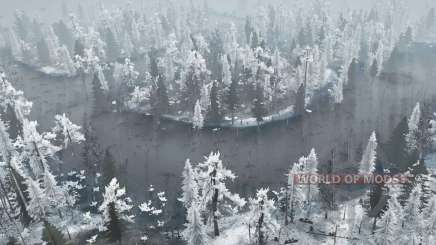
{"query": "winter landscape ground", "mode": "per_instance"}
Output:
(194, 122)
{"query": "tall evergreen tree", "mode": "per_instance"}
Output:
(52, 235)
(113, 225)
(233, 97)
(112, 47)
(161, 105)
(214, 111)
(259, 107)
(195, 232)
(217, 199)
(189, 186)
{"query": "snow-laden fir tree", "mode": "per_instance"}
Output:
(391, 221)
(115, 205)
(214, 114)
(429, 227)
(38, 201)
(296, 191)
(66, 64)
(189, 185)
(51, 235)
(261, 216)
(212, 178)
(193, 78)
(227, 75)
(67, 131)
(37, 148)
(412, 220)
(197, 118)
(367, 164)
(195, 231)
(311, 190)
(413, 128)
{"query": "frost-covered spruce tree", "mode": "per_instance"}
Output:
(429, 213)
(194, 75)
(391, 221)
(296, 192)
(412, 222)
(227, 75)
(195, 231)
(261, 216)
(367, 164)
(51, 235)
(413, 127)
(67, 131)
(37, 148)
(38, 202)
(189, 185)
(214, 114)
(259, 105)
(197, 118)
(312, 190)
(65, 62)
(115, 208)
(213, 191)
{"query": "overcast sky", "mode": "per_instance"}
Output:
(50, 10)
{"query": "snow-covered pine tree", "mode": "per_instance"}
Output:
(311, 190)
(66, 64)
(367, 164)
(429, 213)
(161, 101)
(115, 208)
(232, 97)
(391, 221)
(38, 202)
(67, 131)
(227, 75)
(113, 224)
(197, 118)
(261, 216)
(212, 177)
(194, 77)
(195, 231)
(51, 235)
(37, 148)
(296, 193)
(189, 185)
(413, 221)
(413, 126)
(259, 105)
(214, 114)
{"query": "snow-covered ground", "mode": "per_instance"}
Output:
(241, 122)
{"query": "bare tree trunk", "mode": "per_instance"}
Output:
(260, 225)
(214, 210)
(215, 205)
